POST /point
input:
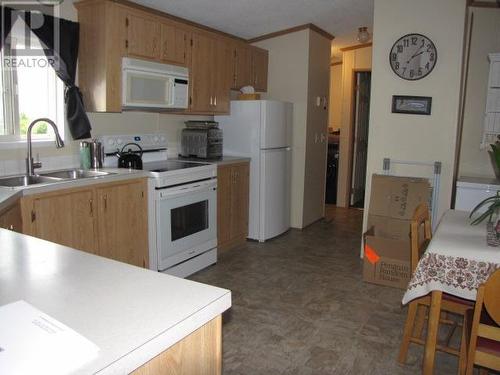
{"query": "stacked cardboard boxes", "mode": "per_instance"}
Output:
(387, 240)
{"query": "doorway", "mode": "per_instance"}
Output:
(361, 117)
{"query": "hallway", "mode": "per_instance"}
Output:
(300, 306)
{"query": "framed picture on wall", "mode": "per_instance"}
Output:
(413, 105)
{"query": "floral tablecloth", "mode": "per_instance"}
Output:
(457, 260)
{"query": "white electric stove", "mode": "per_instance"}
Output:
(183, 205)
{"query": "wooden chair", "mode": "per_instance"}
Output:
(420, 236)
(484, 324)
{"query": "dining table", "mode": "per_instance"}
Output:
(457, 261)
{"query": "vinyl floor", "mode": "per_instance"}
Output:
(300, 306)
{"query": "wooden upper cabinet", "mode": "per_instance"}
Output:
(260, 62)
(210, 74)
(175, 42)
(241, 66)
(201, 73)
(249, 67)
(143, 35)
(112, 29)
(221, 75)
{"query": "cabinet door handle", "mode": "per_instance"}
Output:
(215, 101)
(211, 101)
(105, 202)
(91, 204)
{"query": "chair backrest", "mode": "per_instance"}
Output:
(420, 233)
(484, 327)
(492, 296)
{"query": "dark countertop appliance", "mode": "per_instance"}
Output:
(130, 159)
(201, 139)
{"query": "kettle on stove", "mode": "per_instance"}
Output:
(130, 159)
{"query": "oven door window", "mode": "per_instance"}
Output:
(186, 224)
(189, 219)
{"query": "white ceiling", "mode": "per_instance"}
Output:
(251, 18)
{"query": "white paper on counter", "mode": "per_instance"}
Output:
(31, 342)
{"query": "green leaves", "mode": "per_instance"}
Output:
(493, 208)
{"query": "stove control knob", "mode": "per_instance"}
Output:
(156, 139)
(163, 139)
(119, 141)
(111, 142)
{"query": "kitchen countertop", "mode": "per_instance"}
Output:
(9, 195)
(132, 314)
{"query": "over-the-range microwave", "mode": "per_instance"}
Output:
(148, 84)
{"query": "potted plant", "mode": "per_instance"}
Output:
(492, 210)
(492, 213)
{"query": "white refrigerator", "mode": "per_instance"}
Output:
(261, 130)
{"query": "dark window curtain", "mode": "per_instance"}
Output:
(63, 58)
(66, 56)
(6, 25)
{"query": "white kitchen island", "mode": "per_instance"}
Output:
(133, 315)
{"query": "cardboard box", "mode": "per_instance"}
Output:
(255, 96)
(386, 261)
(387, 227)
(387, 241)
(397, 197)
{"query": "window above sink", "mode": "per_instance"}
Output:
(30, 89)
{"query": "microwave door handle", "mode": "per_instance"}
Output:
(170, 91)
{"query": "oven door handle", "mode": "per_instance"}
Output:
(182, 190)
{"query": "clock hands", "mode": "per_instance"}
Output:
(415, 55)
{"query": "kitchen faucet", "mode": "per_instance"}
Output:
(30, 164)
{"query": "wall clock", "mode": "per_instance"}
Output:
(413, 56)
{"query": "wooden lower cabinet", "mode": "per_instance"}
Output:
(123, 223)
(232, 204)
(200, 353)
(64, 217)
(108, 219)
(10, 218)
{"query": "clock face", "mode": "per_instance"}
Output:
(413, 56)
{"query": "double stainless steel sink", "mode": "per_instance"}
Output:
(51, 177)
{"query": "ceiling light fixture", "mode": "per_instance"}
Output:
(363, 35)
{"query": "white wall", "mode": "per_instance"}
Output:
(485, 39)
(317, 129)
(335, 107)
(412, 137)
(288, 81)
